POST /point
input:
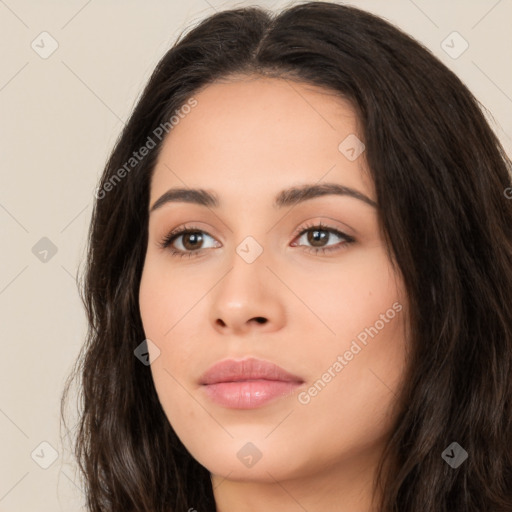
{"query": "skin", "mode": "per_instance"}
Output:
(247, 139)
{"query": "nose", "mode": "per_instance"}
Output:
(257, 319)
(248, 298)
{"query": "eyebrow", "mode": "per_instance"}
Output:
(288, 197)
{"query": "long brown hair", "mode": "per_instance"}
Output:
(440, 176)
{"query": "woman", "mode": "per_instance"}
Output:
(299, 280)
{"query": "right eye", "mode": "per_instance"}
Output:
(191, 240)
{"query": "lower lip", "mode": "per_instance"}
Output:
(249, 394)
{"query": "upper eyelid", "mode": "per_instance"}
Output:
(298, 231)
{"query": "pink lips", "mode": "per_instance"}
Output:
(247, 384)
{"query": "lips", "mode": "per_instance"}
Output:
(247, 384)
(245, 370)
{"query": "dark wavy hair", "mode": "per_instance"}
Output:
(440, 176)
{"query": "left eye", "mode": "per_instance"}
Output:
(319, 235)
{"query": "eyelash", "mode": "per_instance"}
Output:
(169, 239)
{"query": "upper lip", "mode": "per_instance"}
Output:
(231, 370)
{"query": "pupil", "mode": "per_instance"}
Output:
(194, 237)
(317, 236)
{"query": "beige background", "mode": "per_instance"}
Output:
(59, 119)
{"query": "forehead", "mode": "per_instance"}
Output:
(250, 135)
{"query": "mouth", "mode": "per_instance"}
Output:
(248, 383)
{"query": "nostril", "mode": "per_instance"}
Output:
(260, 319)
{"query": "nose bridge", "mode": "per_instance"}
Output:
(245, 295)
(253, 245)
(250, 249)
(250, 238)
(247, 277)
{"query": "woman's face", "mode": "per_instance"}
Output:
(249, 284)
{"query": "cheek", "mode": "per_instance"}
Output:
(165, 298)
(350, 402)
(364, 307)
(164, 307)
(350, 298)
(163, 310)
